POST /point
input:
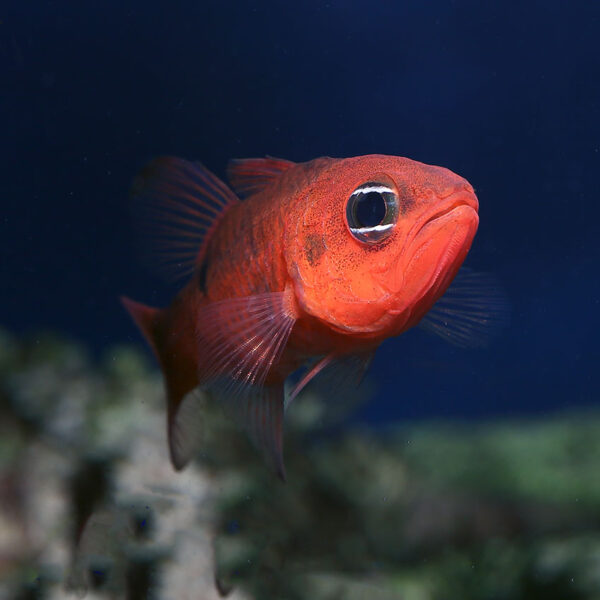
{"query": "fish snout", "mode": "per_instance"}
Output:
(460, 199)
(449, 185)
(463, 194)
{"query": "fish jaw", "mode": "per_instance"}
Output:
(434, 251)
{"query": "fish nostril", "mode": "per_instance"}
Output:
(447, 191)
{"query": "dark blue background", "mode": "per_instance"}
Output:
(506, 94)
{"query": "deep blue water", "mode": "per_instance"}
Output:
(506, 94)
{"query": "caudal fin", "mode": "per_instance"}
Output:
(163, 331)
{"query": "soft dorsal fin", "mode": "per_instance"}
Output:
(249, 176)
(177, 205)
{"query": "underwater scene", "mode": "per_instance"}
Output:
(300, 301)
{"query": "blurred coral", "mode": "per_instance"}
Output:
(90, 505)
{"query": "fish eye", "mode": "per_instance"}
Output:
(372, 212)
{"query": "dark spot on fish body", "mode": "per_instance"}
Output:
(201, 277)
(314, 248)
(405, 198)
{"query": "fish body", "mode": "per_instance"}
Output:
(320, 261)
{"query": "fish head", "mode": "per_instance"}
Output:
(373, 242)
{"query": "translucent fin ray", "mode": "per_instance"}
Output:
(242, 338)
(471, 312)
(309, 376)
(177, 204)
(186, 428)
(342, 373)
(259, 411)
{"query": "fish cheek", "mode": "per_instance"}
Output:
(314, 248)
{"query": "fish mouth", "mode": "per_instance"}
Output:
(437, 244)
(459, 201)
(453, 202)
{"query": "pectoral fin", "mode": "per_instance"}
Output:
(241, 340)
(471, 312)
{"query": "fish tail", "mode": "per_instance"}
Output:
(166, 334)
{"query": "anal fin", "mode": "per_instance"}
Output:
(259, 411)
(186, 428)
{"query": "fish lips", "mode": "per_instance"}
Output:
(447, 208)
(459, 209)
(442, 238)
(435, 247)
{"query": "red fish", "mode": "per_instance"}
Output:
(322, 261)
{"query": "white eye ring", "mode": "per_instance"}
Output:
(372, 212)
(367, 188)
(376, 228)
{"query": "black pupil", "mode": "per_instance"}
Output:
(370, 209)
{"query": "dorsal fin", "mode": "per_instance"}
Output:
(249, 176)
(177, 205)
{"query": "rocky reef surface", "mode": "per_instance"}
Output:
(90, 506)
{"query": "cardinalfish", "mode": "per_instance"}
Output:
(315, 267)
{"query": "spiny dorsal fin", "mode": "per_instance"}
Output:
(177, 205)
(249, 176)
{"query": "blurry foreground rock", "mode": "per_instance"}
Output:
(90, 506)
